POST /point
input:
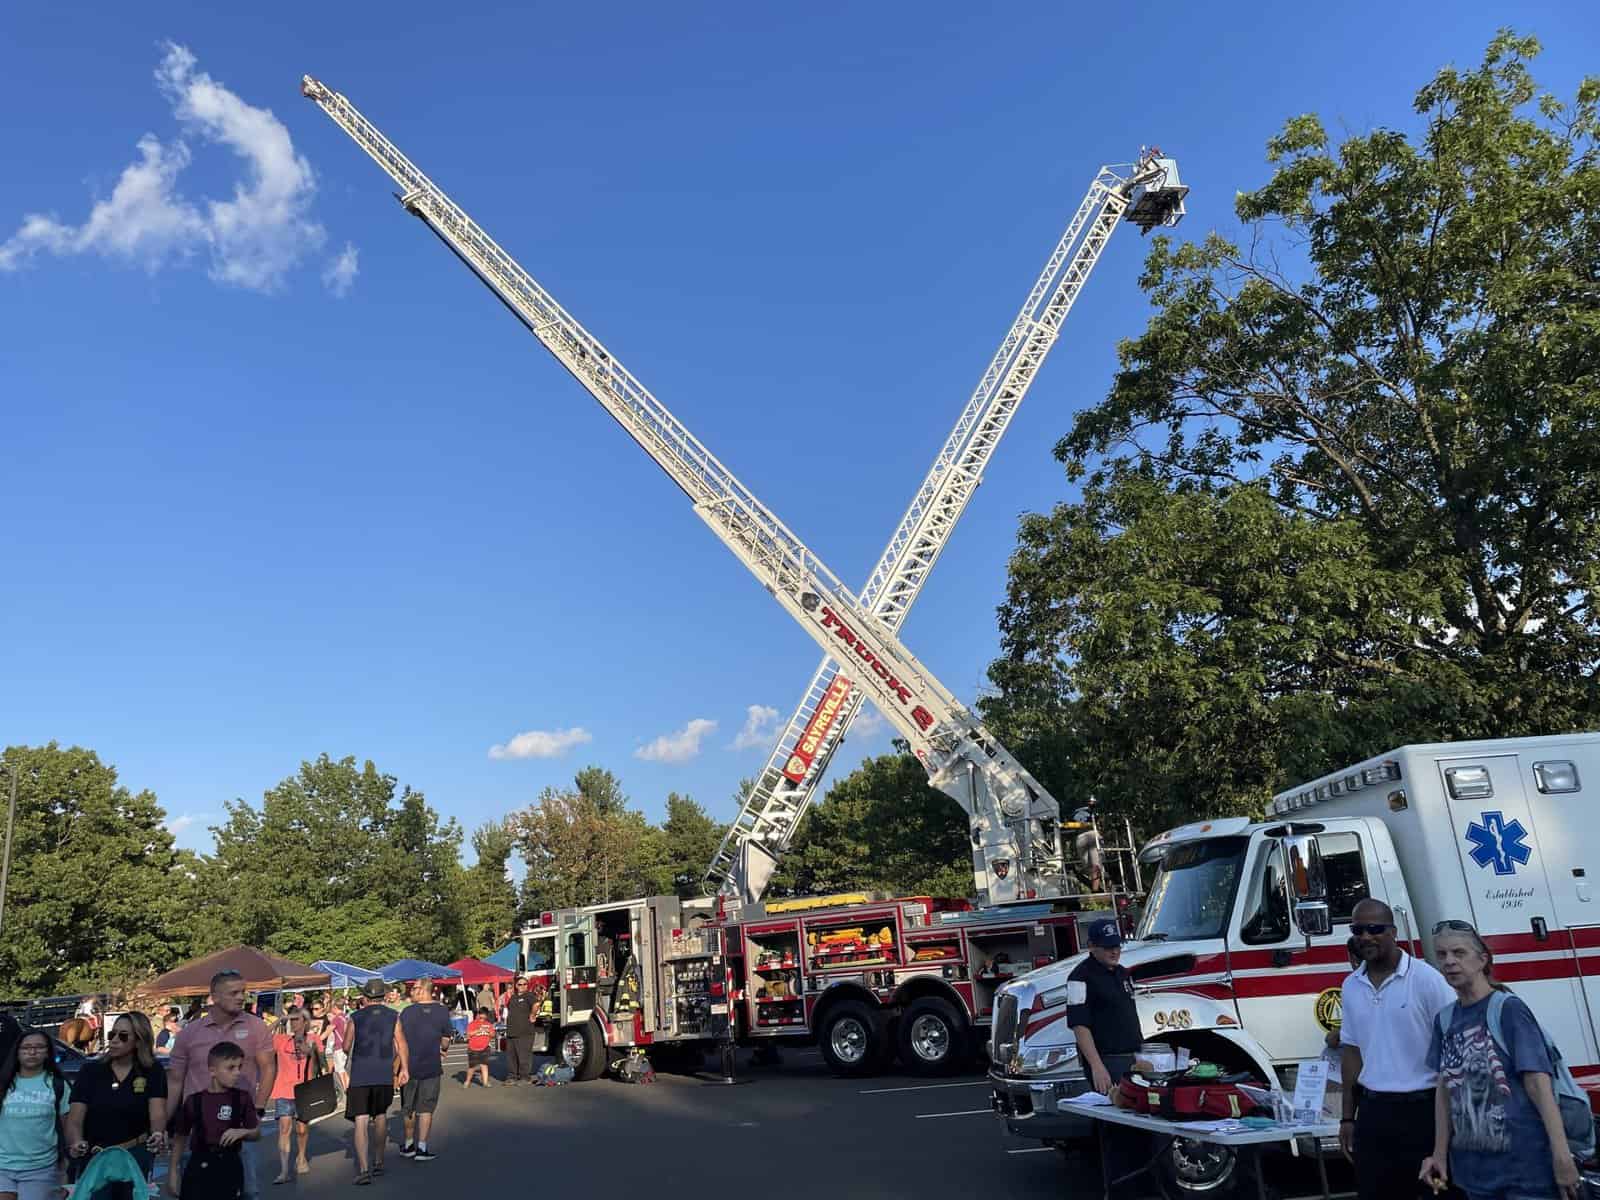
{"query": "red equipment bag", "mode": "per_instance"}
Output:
(1179, 1097)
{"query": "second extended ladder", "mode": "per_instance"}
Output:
(1149, 195)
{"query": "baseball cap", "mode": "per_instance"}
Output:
(1105, 933)
(374, 989)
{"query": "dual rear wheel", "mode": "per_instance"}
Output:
(930, 1036)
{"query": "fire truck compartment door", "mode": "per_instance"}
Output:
(1504, 853)
(579, 973)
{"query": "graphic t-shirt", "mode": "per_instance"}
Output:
(479, 1034)
(219, 1112)
(28, 1123)
(1497, 1139)
(118, 1109)
(426, 1025)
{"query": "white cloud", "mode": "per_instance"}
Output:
(340, 275)
(176, 825)
(758, 727)
(254, 239)
(539, 743)
(869, 721)
(677, 747)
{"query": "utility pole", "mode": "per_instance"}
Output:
(5, 865)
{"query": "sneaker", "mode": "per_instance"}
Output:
(409, 1150)
(425, 1156)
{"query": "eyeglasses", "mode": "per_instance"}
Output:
(1374, 930)
(119, 1035)
(1458, 926)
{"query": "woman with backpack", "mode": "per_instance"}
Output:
(1499, 1134)
(33, 1105)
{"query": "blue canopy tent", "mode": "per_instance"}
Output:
(344, 975)
(403, 970)
(508, 956)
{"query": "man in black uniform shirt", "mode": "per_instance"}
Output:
(1105, 1021)
(522, 1010)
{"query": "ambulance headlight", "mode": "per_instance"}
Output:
(1037, 1059)
(1556, 776)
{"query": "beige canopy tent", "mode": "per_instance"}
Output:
(262, 972)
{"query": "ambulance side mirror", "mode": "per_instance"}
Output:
(1309, 882)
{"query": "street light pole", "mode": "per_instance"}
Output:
(5, 864)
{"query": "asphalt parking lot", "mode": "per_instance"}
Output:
(793, 1131)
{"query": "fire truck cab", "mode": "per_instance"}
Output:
(648, 972)
(1241, 950)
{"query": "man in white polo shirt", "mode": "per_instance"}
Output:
(1389, 1002)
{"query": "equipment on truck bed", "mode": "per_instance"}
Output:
(1017, 851)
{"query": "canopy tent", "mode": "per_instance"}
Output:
(262, 972)
(344, 975)
(474, 972)
(508, 956)
(402, 970)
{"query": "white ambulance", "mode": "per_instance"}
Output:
(1241, 949)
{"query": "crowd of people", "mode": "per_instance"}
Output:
(193, 1087)
(1447, 1077)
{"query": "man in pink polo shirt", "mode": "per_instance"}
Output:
(225, 1020)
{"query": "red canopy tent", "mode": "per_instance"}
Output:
(477, 973)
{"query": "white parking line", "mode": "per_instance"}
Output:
(925, 1087)
(1034, 1150)
(970, 1112)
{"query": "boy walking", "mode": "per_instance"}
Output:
(212, 1125)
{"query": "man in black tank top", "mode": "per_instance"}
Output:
(379, 1060)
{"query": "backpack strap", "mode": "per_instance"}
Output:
(1446, 1018)
(1496, 1019)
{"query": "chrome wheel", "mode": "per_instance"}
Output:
(848, 1040)
(1200, 1167)
(573, 1047)
(930, 1038)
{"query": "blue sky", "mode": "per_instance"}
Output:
(282, 478)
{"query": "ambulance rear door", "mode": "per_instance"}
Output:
(1504, 857)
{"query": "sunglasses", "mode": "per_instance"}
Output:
(119, 1035)
(1373, 930)
(1458, 926)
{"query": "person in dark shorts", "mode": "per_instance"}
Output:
(480, 1042)
(428, 1032)
(375, 1044)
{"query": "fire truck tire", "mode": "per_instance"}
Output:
(853, 1039)
(582, 1048)
(933, 1037)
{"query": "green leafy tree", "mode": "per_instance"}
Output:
(1343, 492)
(578, 852)
(880, 827)
(492, 901)
(90, 901)
(689, 837)
(328, 836)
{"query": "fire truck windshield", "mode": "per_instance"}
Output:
(1193, 891)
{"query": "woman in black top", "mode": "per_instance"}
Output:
(120, 1099)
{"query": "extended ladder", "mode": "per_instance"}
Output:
(1150, 195)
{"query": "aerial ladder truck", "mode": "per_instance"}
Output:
(1017, 850)
(1148, 195)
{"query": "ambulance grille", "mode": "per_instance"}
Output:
(1005, 1019)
